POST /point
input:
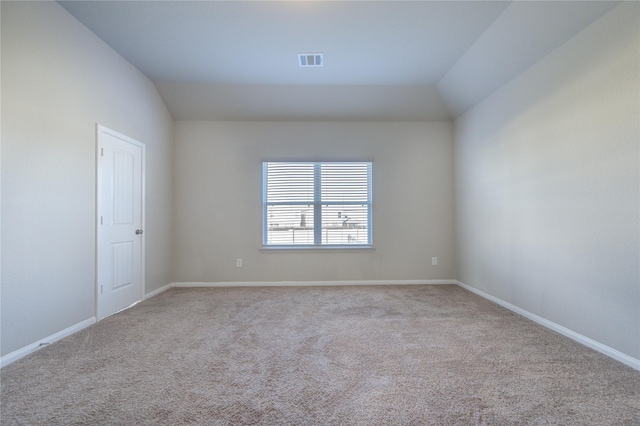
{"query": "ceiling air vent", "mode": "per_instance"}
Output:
(310, 59)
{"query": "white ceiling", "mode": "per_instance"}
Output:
(383, 60)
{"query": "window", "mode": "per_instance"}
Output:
(312, 204)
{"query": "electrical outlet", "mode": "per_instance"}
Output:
(434, 261)
(239, 262)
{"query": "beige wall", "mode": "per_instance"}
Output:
(547, 186)
(218, 200)
(58, 81)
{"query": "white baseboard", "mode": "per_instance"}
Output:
(157, 292)
(604, 349)
(310, 283)
(16, 355)
(22, 352)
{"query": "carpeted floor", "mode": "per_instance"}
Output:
(383, 355)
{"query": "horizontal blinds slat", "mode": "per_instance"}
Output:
(339, 182)
(345, 181)
(289, 182)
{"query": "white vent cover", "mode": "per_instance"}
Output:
(310, 59)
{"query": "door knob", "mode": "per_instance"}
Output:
(139, 231)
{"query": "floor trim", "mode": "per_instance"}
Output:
(604, 349)
(310, 283)
(157, 291)
(16, 355)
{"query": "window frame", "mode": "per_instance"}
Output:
(317, 206)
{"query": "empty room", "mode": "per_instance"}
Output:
(320, 212)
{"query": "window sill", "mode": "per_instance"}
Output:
(332, 249)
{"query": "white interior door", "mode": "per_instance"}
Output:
(120, 211)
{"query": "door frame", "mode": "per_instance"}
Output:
(100, 131)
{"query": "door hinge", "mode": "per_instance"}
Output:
(102, 152)
(101, 221)
(101, 290)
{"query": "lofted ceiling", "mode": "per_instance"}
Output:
(383, 60)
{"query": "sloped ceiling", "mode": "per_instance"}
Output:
(393, 60)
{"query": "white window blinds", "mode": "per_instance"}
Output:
(316, 203)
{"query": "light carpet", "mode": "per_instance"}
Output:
(362, 355)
